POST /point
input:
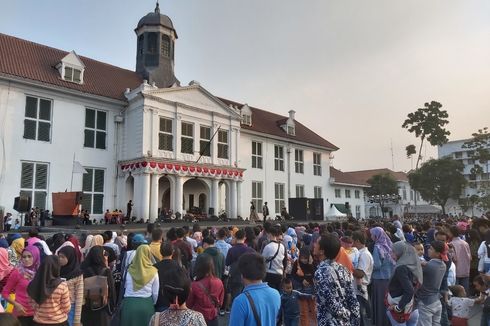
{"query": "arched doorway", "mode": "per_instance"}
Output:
(129, 188)
(195, 193)
(164, 195)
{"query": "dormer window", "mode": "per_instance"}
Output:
(71, 68)
(291, 130)
(247, 119)
(73, 75)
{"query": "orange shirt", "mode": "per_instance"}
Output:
(344, 260)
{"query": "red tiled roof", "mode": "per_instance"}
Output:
(366, 174)
(345, 178)
(270, 123)
(37, 62)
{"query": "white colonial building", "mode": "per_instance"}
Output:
(142, 136)
(477, 184)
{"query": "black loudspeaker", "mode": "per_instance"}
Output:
(299, 208)
(22, 204)
(316, 205)
(211, 211)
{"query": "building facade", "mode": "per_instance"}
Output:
(142, 136)
(348, 193)
(477, 184)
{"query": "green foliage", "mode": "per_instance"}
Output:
(411, 150)
(382, 184)
(428, 123)
(439, 180)
(480, 146)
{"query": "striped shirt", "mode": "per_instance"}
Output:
(56, 307)
(75, 286)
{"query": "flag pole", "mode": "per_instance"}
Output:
(72, 164)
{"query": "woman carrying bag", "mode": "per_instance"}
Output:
(71, 272)
(401, 288)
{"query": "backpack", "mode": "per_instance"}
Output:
(96, 292)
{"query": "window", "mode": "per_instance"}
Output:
(95, 129)
(278, 158)
(317, 192)
(223, 144)
(152, 43)
(256, 155)
(141, 39)
(357, 194)
(34, 182)
(204, 144)
(37, 123)
(300, 191)
(358, 211)
(411, 194)
(73, 75)
(471, 162)
(470, 153)
(404, 193)
(187, 138)
(165, 136)
(257, 197)
(165, 46)
(290, 130)
(298, 161)
(93, 191)
(279, 197)
(247, 119)
(458, 154)
(317, 164)
(337, 193)
(347, 193)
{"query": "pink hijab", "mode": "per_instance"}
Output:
(5, 266)
(29, 271)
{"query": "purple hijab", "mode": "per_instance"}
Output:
(382, 242)
(36, 261)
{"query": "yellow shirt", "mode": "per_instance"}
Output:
(155, 251)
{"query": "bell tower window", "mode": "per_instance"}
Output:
(165, 46)
(152, 43)
(141, 39)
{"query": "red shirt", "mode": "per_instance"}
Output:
(200, 301)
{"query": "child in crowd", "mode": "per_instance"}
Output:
(461, 305)
(419, 248)
(17, 224)
(290, 303)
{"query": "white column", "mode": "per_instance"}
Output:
(239, 211)
(215, 195)
(142, 195)
(179, 192)
(154, 198)
(233, 200)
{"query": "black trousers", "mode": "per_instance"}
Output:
(274, 280)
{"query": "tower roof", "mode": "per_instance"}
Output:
(156, 19)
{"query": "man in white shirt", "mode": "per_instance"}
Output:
(275, 258)
(192, 241)
(362, 274)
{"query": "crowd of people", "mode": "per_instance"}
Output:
(381, 272)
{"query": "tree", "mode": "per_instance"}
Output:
(439, 180)
(383, 189)
(428, 124)
(479, 145)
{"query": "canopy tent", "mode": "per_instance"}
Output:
(334, 214)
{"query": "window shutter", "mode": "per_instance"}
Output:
(101, 120)
(29, 129)
(100, 140)
(76, 75)
(68, 73)
(27, 175)
(40, 199)
(44, 131)
(89, 118)
(45, 110)
(41, 176)
(98, 204)
(89, 138)
(87, 180)
(31, 107)
(99, 180)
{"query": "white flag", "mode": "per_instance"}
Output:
(78, 168)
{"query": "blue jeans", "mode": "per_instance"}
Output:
(412, 321)
(291, 321)
(71, 315)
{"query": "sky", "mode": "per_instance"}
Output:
(352, 70)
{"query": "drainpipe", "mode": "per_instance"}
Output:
(288, 151)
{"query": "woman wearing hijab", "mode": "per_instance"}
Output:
(71, 272)
(50, 294)
(86, 247)
(15, 249)
(141, 292)
(401, 289)
(382, 269)
(95, 263)
(5, 267)
(71, 241)
(17, 283)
